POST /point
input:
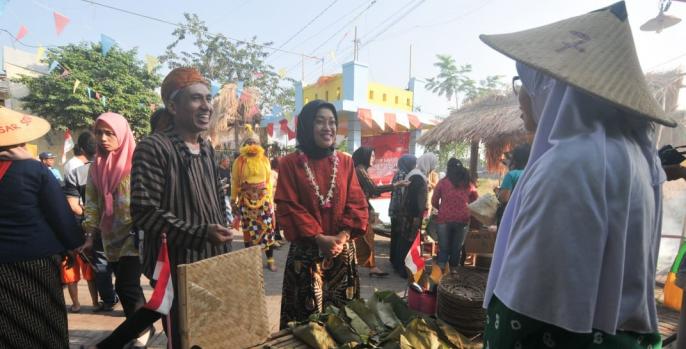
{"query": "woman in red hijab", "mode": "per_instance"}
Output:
(107, 213)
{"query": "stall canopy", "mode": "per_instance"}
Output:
(493, 120)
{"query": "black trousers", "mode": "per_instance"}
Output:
(141, 320)
(127, 272)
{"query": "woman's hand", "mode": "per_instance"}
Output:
(329, 245)
(401, 184)
(87, 246)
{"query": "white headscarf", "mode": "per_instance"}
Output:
(577, 246)
(425, 164)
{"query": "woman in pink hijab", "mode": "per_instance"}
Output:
(107, 215)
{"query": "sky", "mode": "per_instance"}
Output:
(386, 29)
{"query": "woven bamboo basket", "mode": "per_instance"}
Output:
(460, 300)
(222, 301)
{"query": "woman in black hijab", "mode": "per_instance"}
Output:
(321, 208)
(363, 158)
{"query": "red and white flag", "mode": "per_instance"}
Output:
(163, 294)
(68, 145)
(414, 261)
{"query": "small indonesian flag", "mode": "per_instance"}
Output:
(68, 145)
(163, 294)
(414, 261)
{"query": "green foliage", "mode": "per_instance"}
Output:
(447, 151)
(453, 80)
(119, 76)
(222, 60)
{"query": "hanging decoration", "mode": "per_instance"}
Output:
(88, 91)
(239, 89)
(283, 72)
(39, 54)
(151, 62)
(3, 3)
(106, 44)
(22, 32)
(76, 85)
(61, 21)
(53, 65)
(214, 88)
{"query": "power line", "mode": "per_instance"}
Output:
(336, 33)
(308, 23)
(24, 44)
(179, 25)
(391, 22)
(336, 21)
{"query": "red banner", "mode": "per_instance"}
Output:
(388, 148)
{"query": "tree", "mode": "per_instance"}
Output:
(220, 59)
(451, 80)
(491, 84)
(122, 83)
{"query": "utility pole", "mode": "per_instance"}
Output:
(355, 46)
(410, 77)
(302, 77)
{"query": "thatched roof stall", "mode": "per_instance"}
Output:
(493, 120)
(232, 112)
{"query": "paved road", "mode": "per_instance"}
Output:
(87, 327)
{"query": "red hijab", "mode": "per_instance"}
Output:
(108, 169)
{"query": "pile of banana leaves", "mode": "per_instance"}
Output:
(384, 321)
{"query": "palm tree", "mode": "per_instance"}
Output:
(451, 80)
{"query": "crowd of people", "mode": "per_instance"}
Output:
(573, 266)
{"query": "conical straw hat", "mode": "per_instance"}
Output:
(18, 128)
(594, 52)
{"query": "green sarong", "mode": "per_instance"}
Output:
(508, 329)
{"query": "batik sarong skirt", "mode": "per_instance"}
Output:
(508, 329)
(311, 283)
(32, 309)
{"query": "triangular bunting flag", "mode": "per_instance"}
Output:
(39, 54)
(61, 21)
(76, 85)
(214, 88)
(104, 101)
(257, 74)
(106, 44)
(151, 63)
(88, 91)
(163, 294)
(65, 72)
(3, 3)
(283, 72)
(97, 95)
(53, 65)
(22, 32)
(270, 129)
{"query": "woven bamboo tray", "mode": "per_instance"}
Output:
(460, 300)
(222, 301)
(282, 340)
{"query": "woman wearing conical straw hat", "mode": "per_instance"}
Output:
(251, 195)
(36, 225)
(575, 257)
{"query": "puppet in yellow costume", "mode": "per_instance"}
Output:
(251, 195)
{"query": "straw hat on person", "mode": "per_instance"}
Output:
(17, 128)
(594, 52)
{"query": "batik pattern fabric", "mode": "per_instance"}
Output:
(32, 309)
(508, 329)
(311, 282)
(258, 222)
